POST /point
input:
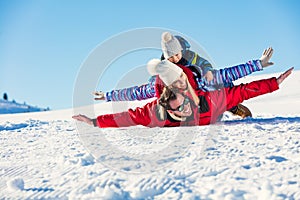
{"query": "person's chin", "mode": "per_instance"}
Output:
(188, 113)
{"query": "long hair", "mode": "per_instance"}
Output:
(191, 91)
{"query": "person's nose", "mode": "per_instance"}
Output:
(181, 82)
(176, 60)
(186, 107)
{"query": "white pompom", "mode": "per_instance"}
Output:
(166, 36)
(152, 65)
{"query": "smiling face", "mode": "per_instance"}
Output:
(175, 58)
(181, 82)
(180, 106)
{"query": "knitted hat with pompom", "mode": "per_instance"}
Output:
(168, 72)
(169, 45)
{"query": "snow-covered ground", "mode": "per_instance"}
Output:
(7, 107)
(47, 155)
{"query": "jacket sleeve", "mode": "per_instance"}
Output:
(202, 65)
(226, 98)
(142, 92)
(230, 74)
(145, 116)
(238, 94)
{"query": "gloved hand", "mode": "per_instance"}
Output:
(266, 56)
(100, 95)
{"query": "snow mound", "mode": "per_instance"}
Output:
(9, 107)
(15, 184)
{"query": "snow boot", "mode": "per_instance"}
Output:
(241, 111)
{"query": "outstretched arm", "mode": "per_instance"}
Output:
(283, 76)
(242, 92)
(83, 118)
(226, 98)
(142, 92)
(230, 74)
(145, 116)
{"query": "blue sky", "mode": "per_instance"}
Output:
(43, 44)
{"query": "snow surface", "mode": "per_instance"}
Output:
(47, 155)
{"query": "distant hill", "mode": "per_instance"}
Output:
(9, 107)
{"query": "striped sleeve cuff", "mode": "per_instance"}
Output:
(108, 96)
(257, 63)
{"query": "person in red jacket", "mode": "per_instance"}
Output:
(180, 105)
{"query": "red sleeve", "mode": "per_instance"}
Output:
(238, 94)
(145, 116)
(226, 98)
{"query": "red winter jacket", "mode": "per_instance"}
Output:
(211, 105)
